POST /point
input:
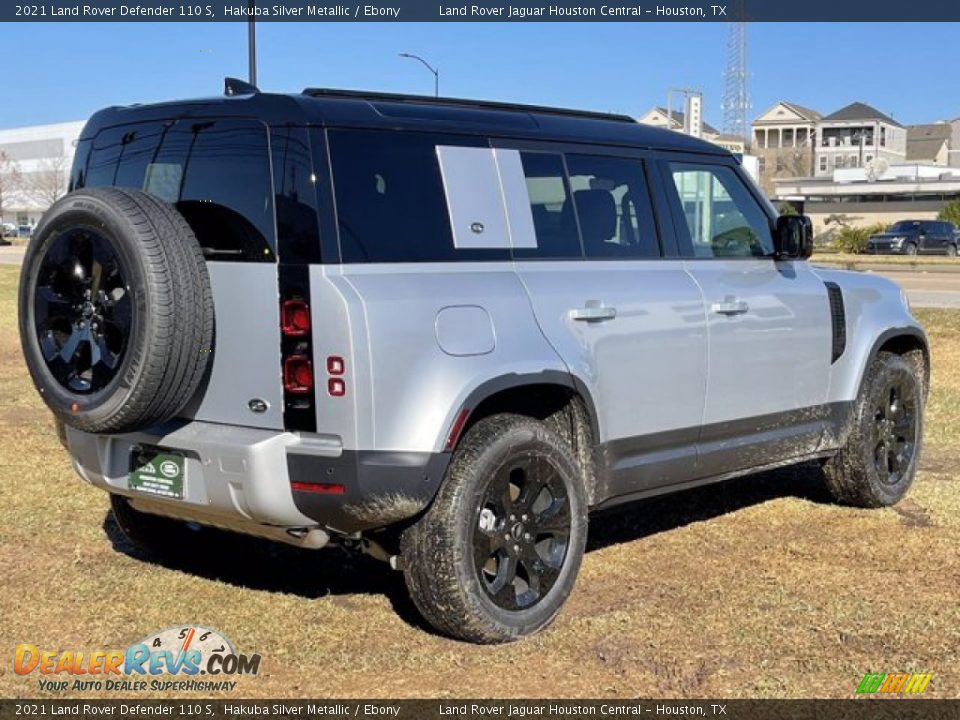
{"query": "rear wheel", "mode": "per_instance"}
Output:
(497, 554)
(951, 250)
(876, 466)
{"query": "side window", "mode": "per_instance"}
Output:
(613, 207)
(391, 205)
(216, 172)
(551, 204)
(722, 218)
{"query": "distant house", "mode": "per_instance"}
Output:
(676, 120)
(857, 135)
(929, 143)
(784, 140)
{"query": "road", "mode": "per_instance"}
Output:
(925, 289)
(929, 289)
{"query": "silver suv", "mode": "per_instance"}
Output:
(443, 332)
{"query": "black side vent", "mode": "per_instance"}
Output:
(838, 318)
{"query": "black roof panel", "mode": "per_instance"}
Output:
(404, 112)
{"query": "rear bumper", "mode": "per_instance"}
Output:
(240, 479)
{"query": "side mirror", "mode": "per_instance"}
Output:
(793, 238)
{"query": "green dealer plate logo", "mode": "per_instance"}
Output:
(156, 471)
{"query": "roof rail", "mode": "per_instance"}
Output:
(462, 102)
(233, 86)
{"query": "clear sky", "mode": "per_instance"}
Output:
(55, 72)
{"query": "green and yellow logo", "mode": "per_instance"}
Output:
(894, 683)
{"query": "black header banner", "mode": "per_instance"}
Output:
(482, 11)
(200, 709)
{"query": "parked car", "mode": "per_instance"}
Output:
(916, 237)
(446, 331)
(8, 230)
(25, 231)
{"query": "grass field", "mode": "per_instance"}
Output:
(752, 588)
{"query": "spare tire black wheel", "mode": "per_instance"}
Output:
(116, 311)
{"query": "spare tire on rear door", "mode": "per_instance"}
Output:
(116, 312)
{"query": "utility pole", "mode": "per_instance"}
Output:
(252, 44)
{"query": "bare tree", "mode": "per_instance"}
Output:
(49, 181)
(11, 179)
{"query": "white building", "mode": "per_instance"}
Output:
(34, 169)
(857, 135)
(866, 196)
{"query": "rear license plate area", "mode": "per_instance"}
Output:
(157, 471)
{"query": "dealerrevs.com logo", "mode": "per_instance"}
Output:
(184, 652)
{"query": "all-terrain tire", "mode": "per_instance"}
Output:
(853, 475)
(440, 568)
(156, 263)
(910, 248)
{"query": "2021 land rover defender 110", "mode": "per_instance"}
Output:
(444, 331)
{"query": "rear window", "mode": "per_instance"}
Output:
(391, 205)
(216, 172)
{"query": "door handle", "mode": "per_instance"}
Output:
(730, 306)
(593, 311)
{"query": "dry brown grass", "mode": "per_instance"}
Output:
(753, 588)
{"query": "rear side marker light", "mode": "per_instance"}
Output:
(294, 318)
(321, 488)
(336, 365)
(457, 428)
(297, 375)
(336, 387)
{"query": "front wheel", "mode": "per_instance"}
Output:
(496, 555)
(910, 249)
(876, 466)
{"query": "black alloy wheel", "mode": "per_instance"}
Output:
(522, 533)
(895, 427)
(116, 310)
(82, 311)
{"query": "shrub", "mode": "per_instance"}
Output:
(854, 239)
(787, 209)
(951, 213)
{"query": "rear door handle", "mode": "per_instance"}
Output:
(730, 306)
(594, 311)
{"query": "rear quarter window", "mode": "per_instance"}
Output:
(390, 199)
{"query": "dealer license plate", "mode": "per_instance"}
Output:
(157, 471)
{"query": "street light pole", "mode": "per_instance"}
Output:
(252, 44)
(436, 73)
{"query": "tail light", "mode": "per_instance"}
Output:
(295, 318)
(298, 375)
